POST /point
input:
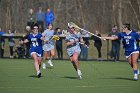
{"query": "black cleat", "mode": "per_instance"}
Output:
(39, 75)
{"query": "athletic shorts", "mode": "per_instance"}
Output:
(127, 54)
(48, 47)
(72, 50)
(37, 50)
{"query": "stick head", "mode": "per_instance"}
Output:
(55, 37)
(71, 25)
(65, 32)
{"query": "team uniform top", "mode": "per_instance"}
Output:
(48, 34)
(71, 49)
(129, 42)
(35, 44)
(49, 45)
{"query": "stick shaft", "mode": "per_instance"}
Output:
(89, 32)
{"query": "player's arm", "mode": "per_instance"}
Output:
(42, 38)
(26, 41)
(71, 42)
(110, 37)
(81, 40)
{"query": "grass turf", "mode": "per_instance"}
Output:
(19, 76)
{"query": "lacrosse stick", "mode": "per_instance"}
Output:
(71, 24)
(65, 33)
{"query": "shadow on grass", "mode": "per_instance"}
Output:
(49, 67)
(34, 76)
(121, 78)
(69, 77)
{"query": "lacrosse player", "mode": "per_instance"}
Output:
(73, 49)
(129, 38)
(35, 40)
(48, 47)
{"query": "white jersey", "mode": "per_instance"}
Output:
(48, 34)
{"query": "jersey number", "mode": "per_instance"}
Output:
(127, 41)
(35, 44)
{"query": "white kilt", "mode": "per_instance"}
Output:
(48, 47)
(73, 49)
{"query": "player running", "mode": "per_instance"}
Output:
(129, 38)
(73, 49)
(48, 47)
(35, 40)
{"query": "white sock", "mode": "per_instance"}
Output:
(38, 72)
(79, 72)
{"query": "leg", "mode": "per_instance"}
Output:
(58, 51)
(134, 60)
(52, 54)
(74, 60)
(99, 51)
(61, 51)
(44, 59)
(129, 61)
(36, 64)
(39, 61)
(118, 52)
(134, 65)
(11, 51)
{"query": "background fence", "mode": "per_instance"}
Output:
(92, 51)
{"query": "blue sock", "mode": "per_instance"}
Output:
(135, 71)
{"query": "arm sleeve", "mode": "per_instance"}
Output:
(119, 35)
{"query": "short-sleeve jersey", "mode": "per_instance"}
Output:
(48, 35)
(71, 49)
(72, 37)
(35, 40)
(129, 41)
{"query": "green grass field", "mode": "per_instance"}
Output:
(18, 76)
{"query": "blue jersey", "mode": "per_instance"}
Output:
(35, 44)
(129, 41)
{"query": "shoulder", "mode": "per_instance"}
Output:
(45, 31)
(39, 35)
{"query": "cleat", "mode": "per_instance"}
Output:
(79, 77)
(79, 74)
(38, 74)
(135, 77)
(44, 66)
(50, 63)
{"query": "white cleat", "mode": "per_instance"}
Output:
(38, 74)
(79, 74)
(136, 77)
(50, 63)
(44, 66)
(79, 77)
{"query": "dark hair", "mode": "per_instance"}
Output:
(57, 28)
(35, 24)
(127, 25)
